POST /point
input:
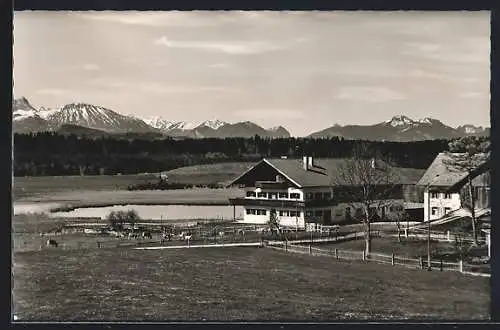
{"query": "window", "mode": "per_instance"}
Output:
(447, 210)
(261, 212)
(273, 195)
(251, 194)
(251, 211)
(318, 213)
(262, 194)
(309, 196)
(447, 196)
(434, 195)
(283, 195)
(317, 196)
(293, 213)
(309, 213)
(338, 213)
(327, 196)
(294, 196)
(283, 213)
(434, 211)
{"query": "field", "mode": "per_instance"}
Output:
(233, 284)
(43, 185)
(196, 175)
(412, 248)
(208, 174)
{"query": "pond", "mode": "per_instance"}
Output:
(159, 212)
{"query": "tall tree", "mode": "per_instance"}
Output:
(367, 183)
(466, 155)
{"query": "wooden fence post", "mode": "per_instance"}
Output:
(286, 246)
(461, 265)
(406, 232)
(392, 259)
(364, 255)
(337, 254)
(421, 262)
(441, 265)
(448, 236)
(310, 249)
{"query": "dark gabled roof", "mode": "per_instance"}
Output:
(325, 172)
(440, 174)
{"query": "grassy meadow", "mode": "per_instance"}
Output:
(233, 284)
(40, 187)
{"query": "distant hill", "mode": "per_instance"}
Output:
(401, 128)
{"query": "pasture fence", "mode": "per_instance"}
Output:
(388, 259)
(445, 236)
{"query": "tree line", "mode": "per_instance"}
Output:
(49, 153)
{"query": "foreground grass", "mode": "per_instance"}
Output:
(411, 248)
(233, 284)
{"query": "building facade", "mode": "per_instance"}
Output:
(298, 192)
(446, 189)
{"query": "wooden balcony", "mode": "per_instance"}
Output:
(266, 202)
(271, 185)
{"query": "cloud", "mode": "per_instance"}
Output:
(189, 19)
(472, 95)
(218, 66)
(157, 87)
(233, 47)
(372, 94)
(53, 91)
(144, 18)
(90, 67)
(270, 113)
(162, 88)
(469, 51)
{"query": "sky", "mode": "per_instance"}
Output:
(304, 70)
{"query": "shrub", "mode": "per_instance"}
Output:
(117, 219)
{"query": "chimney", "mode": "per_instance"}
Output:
(310, 163)
(305, 163)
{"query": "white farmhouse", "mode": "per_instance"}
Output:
(301, 191)
(445, 189)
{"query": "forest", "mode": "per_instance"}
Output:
(50, 154)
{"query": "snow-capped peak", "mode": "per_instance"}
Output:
(400, 120)
(213, 123)
(425, 120)
(22, 109)
(159, 122)
(21, 103)
(275, 128)
(183, 125)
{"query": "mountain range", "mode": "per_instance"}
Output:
(91, 120)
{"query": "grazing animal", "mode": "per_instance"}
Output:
(52, 242)
(147, 235)
(188, 237)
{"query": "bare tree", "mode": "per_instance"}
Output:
(367, 182)
(467, 155)
(273, 222)
(399, 216)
